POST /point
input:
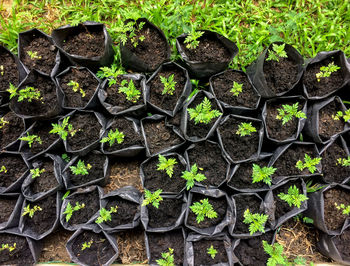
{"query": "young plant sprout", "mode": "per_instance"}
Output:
(31, 138)
(64, 129)
(65, 157)
(169, 84)
(33, 55)
(81, 168)
(76, 87)
(276, 254)
(2, 72)
(131, 92)
(167, 258)
(152, 198)
(70, 210)
(277, 52)
(256, 221)
(293, 198)
(36, 172)
(287, 112)
(263, 174)
(3, 122)
(166, 165)
(31, 212)
(105, 215)
(203, 113)
(8, 247)
(203, 209)
(129, 32)
(343, 161)
(309, 163)
(236, 89)
(87, 245)
(111, 73)
(192, 176)
(3, 169)
(212, 252)
(191, 40)
(340, 114)
(245, 129)
(345, 209)
(113, 136)
(326, 71)
(28, 93)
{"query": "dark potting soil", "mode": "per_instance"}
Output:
(332, 171)
(334, 218)
(244, 202)
(88, 130)
(161, 242)
(12, 130)
(47, 180)
(96, 172)
(166, 101)
(166, 215)
(7, 205)
(209, 49)
(131, 137)
(223, 84)
(21, 255)
(87, 82)
(44, 220)
(280, 76)
(327, 125)
(152, 50)
(202, 154)
(9, 74)
(86, 43)
(15, 167)
(201, 256)
(125, 213)
(275, 128)
(159, 136)
(158, 179)
(239, 148)
(325, 85)
(92, 206)
(219, 205)
(342, 242)
(46, 55)
(251, 252)
(100, 251)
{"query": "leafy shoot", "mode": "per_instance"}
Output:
(8, 247)
(3, 169)
(29, 211)
(212, 252)
(111, 73)
(167, 258)
(3, 122)
(191, 40)
(287, 112)
(245, 129)
(105, 215)
(131, 92)
(262, 174)
(152, 198)
(31, 138)
(237, 88)
(87, 245)
(64, 129)
(345, 209)
(113, 136)
(309, 164)
(203, 113)
(169, 84)
(28, 93)
(76, 87)
(326, 71)
(81, 168)
(293, 198)
(340, 114)
(343, 161)
(33, 55)
(36, 172)
(166, 165)
(203, 209)
(277, 52)
(129, 32)
(192, 176)
(65, 157)
(276, 254)
(70, 209)
(256, 221)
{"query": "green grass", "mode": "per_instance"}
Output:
(310, 26)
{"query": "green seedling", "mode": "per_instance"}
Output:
(36, 172)
(287, 112)
(66, 194)
(2, 70)
(70, 210)
(87, 245)
(310, 164)
(276, 254)
(31, 212)
(28, 93)
(31, 139)
(203, 112)
(111, 73)
(343, 161)
(256, 221)
(211, 251)
(65, 157)
(345, 209)
(169, 84)
(8, 247)
(106, 215)
(277, 52)
(166, 165)
(340, 114)
(131, 92)
(81, 168)
(192, 176)
(152, 198)
(76, 87)
(113, 137)
(33, 55)
(3, 169)
(167, 258)
(64, 129)
(326, 71)
(3, 122)
(191, 39)
(245, 129)
(203, 209)
(236, 89)
(263, 174)
(129, 32)
(293, 197)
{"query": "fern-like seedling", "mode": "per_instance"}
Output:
(31, 139)
(129, 31)
(276, 254)
(76, 87)
(309, 163)
(167, 258)
(8, 247)
(340, 114)
(113, 137)
(293, 197)
(166, 165)
(36, 172)
(287, 112)
(343, 161)
(203, 112)
(256, 221)
(245, 129)
(192, 176)
(31, 211)
(236, 89)
(131, 92)
(28, 93)
(87, 245)
(106, 215)
(81, 168)
(169, 84)
(277, 52)
(211, 251)
(152, 198)
(191, 39)
(111, 73)
(64, 129)
(263, 174)
(70, 210)
(203, 209)
(345, 209)
(326, 71)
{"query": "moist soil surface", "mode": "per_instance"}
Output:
(15, 167)
(166, 101)
(158, 179)
(334, 219)
(12, 130)
(202, 154)
(46, 181)
(45, 59)
(44, 220)
(125, 214)
(100, 251)
(87, 82)
(239, 148)
(223, 84)
(219, 205)
(325, 85)
(161, 242)
(342, 242)
(275, 128)
(280, 76)
(88, 130)
(9, 74)
(20, 256)
(201, 257)
(327, 126)
(166, 215)
(7, 205)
